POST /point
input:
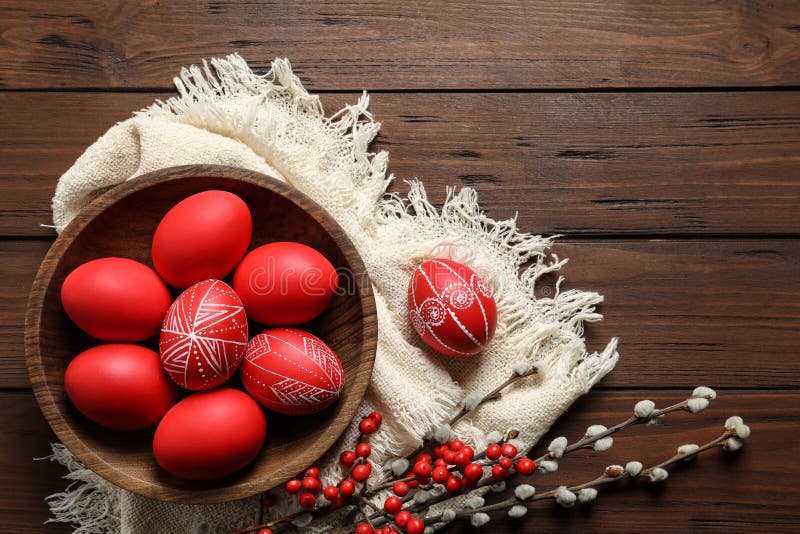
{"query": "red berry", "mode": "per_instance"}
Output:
(423, 457)
(449, 457)
(331, 492)
(438, 450)
(493, 451)
(509, 450)
(526, 466)
(363, 450)
(375, 416)
(267, 500)
(338, 502)
(505, 462)
(412, 483)
(312, 485)
(453, 483)
(415, 526)
(307, 500)
(367, 426)
(456, 445)
(293, 486)
(440, 474)
(312, 472)
(347, 487)
(265, 531)
(400, 489)
(473, 472)
(424, 481)
(402, 518)
(498, 473)
(460, 459)
(347, 458)
(393, 504)
(468, 451)
(422, 469)
(364, 528)
(439, 461)
(468, 484)
(361, 472)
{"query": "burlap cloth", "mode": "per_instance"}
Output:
(226, 114)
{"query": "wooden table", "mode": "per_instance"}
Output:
(662, 139)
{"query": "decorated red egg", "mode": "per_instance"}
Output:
(285, 283)
(452, 309)
(203, 236)
(204, 336)
(115, 299)
(210, 434)
(119, 386)
(292, 372)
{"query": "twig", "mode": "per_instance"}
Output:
(644, 412)
(588, 441)
(494, 394)
(271, 524)
(612, 475)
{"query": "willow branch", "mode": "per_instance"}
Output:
(612, 474)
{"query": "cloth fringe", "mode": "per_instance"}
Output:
(89, 503)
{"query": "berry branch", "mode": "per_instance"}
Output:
(470, 403)
(453, 469)
(524, 495)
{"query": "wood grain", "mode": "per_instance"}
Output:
(687, 312)
(691, 312)
(408, 45)
(348, 325)
(754, 490)
(579, 114)
(24, 483)
(616, 163)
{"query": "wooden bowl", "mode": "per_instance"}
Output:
(121, 222)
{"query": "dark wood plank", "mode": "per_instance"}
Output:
(693, 312)
(736, 493)
(21, 261)
(397, 45)
(688, 312)
(656, 163)
(652, 163)
(24, 483)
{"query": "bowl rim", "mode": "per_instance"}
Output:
(47, 401)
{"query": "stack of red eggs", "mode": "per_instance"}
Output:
(203, 337)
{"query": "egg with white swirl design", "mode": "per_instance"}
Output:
(451, 308)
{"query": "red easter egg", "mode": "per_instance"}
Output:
(210, 434)
(203, 236)
(204, 336)
(285, 283)
(292, 372)
(115, 299)
(119, 386)
(452, 309)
